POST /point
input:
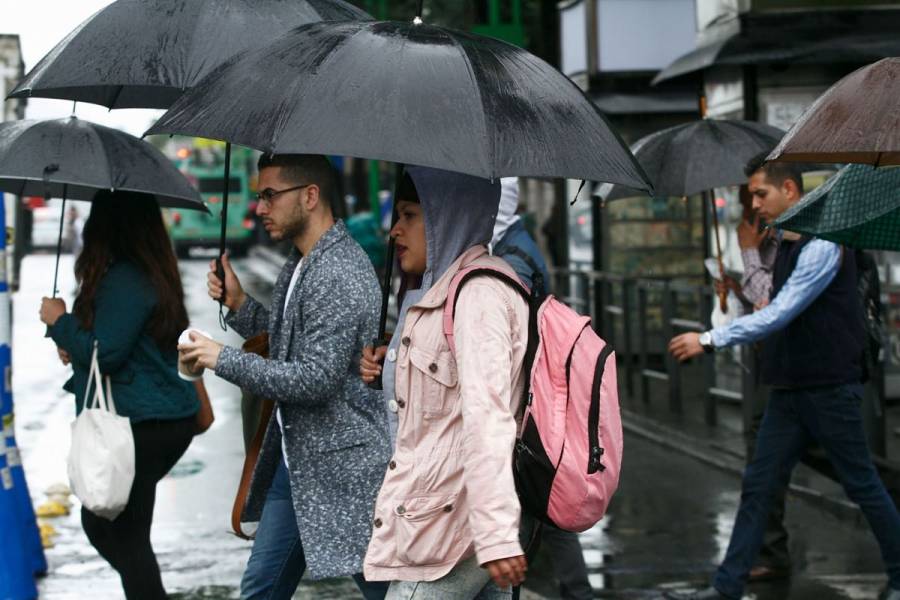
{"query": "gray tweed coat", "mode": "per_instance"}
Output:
(335, 427)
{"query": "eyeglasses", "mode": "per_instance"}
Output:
(267, 195)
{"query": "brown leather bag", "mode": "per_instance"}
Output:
(257, 345)
(205, 416)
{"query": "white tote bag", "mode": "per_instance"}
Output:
(101, 459)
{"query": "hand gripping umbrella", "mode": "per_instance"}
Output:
(857, 120)
(146, 53)
(696, 157)
(407, 93)
(73, 159)
(857, 207)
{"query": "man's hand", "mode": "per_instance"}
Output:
(64, 357)
(201, 353)
(685, 346)
(51, 310)
(749, 235)
(234, 293)
(507, 571)
(370, 363)
(726, 285)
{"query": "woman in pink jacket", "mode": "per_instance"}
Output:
(446, 520)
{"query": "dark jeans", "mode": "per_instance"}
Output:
(125, 541)
(566, 556)
(774, 552)
(795, 418)
(277, 562)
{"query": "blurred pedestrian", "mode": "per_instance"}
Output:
(812, 358)
(512, 242)
(130, 302)
(447, 519)
(326, 447)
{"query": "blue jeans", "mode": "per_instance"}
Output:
(794, 418)
(277, 562)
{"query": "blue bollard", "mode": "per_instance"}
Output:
(16, 577)
(29, 535)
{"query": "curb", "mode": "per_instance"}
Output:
(708, 453)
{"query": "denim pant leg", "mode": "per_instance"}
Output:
(371, 590)
(778, 448)
(833, 416)
(276, 562)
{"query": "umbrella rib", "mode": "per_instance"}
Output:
(488, 138)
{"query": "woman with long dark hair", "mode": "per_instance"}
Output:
(130, 301)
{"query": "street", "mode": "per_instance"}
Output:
(667, 527)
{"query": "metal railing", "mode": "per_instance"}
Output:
(639, 315)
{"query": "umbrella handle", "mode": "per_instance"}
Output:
(723, 295)
(62, 220)
(220, 270)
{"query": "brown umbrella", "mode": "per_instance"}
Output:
(856, 121)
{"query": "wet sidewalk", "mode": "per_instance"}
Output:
(667, 527)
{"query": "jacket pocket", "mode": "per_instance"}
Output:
(428, 530)
(340, 440)
(436, 374)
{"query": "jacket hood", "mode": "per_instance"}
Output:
(509, 203)
(459, 212)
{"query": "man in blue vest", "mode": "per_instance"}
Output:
(812, 359)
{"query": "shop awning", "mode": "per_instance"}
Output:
(645, 103)
(799, 39)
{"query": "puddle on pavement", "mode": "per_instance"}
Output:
(186, 468)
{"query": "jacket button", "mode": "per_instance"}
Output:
(401, 403)
(433, 367)
(401, 510)
(448, 508)
(405, 341)
(392, 465)
(377, 523)
(393, 406)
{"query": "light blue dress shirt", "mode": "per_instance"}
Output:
(817, 265)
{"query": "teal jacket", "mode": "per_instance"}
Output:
(145, 382)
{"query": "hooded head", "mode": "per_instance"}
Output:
(509, 203)
(457, 211)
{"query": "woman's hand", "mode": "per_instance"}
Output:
(507, 571)
(64, 356)
(51, 310)
(370, 364)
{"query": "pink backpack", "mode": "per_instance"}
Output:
(568, 453)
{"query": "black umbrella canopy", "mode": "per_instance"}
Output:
(75, 158)
(407, 93)
(145, 53)
(695, 157)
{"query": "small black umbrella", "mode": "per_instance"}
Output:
(695, 158)
(73, 159)
(698, 156)
(407, 93)
(145, 53)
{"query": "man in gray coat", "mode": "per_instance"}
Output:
(326, 449)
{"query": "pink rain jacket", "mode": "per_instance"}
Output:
(449, 491)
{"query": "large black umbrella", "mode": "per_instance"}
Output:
(73, 159)
(145, 53)
(696, 157)
(408, 93)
